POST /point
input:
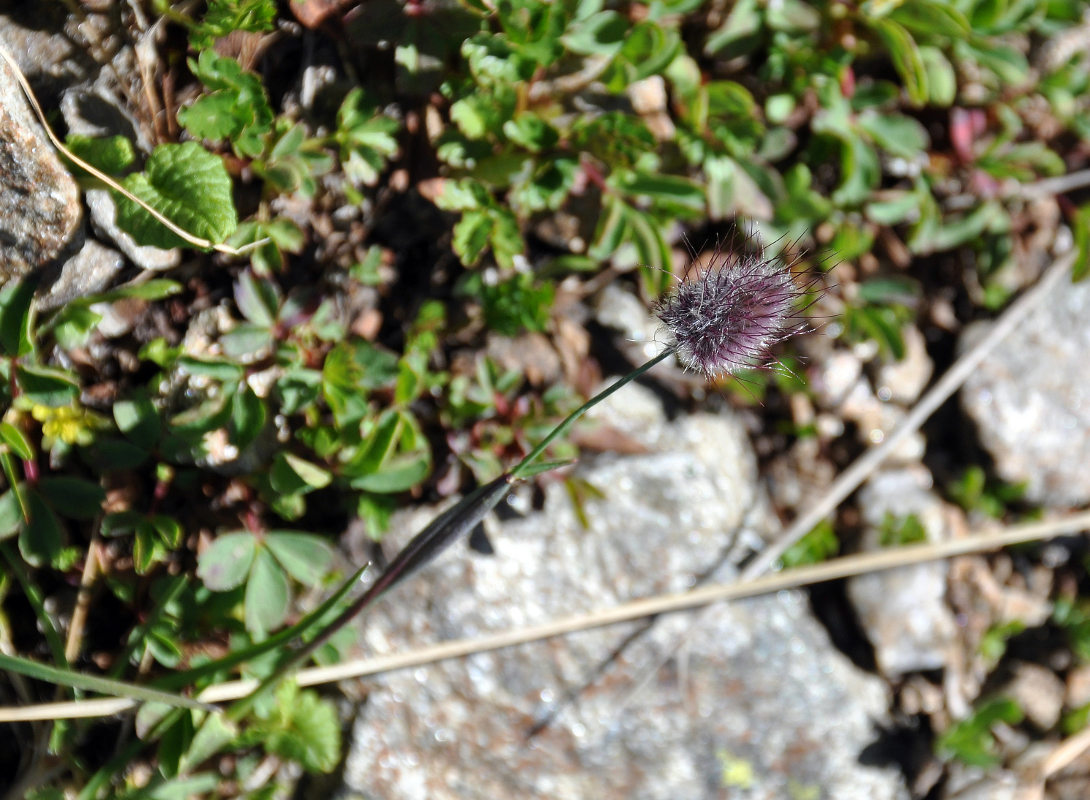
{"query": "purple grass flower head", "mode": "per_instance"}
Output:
(727, 316)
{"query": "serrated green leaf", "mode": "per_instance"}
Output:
(224, 17)
(226, 563)
(267, 594)
(304, 556)
(212, 117)
(311, 734)
(190, 187)
(238, 105)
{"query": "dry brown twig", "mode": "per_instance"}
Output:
(803, 576)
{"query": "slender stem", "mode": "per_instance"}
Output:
(566, 425)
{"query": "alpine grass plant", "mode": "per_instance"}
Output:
(724, 320)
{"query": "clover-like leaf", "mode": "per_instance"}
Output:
(267, 593)
(304, 556)
(225, 565)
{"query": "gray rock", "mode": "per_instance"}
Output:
(91, 270)
(39, 206)
(903, 381)
(1030, 399)
(45, 50)
(1038, 691)
(758, 703)
(904, 611)
(104, 215)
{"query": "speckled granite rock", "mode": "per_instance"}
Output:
(1030, 399)
(904, 611)
(40, 209)
(757, 704)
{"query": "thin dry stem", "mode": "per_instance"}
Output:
(83, 600)
(845, 567)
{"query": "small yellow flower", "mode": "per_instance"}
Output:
(69, 424)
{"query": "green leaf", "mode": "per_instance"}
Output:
(138, 419)
(217, 370)
(600, 34)
(247, 416)
(73, 325)
(111, 154)
(224, 17)
(366, 138)
(14, 439)
(531, 131)
(1081, 226)
(257, 300)
(41, 538)
(75, 498)
(971, 740)
(16, 304)
(11, 514)
(290, 474)
(737, 33)
(311, 735)
(226, 563)
(670, 191)
(155, 289)
(267, 594)
(306, 557)
(934, 18)
(906, 58)
(214, 734)
(237, 108)
(397, 474)
(893, 208)
(247, 342)
(46, 386)
(95, 683)
(942, 82)
(896, 133)
(380, 444)
(190, 187)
